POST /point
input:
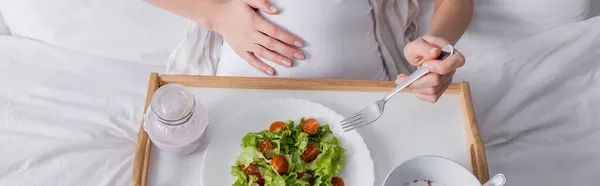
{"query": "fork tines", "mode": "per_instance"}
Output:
(352, 122)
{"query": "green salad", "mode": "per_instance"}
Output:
(306, 154)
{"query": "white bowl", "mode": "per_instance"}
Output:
(439, 170)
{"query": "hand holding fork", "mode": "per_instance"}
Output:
(372, 112)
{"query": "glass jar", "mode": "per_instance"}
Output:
(175, 120)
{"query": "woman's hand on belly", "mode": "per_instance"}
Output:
(250, 35)
(422, 52)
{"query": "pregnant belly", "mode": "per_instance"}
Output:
(339, 41)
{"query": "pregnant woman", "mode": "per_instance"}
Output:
(342, 39)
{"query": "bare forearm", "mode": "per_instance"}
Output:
(201, 11)
(450, 19)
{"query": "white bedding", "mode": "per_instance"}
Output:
(537, 101)
(70, 118)
(67, 118)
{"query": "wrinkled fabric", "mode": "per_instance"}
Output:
(537, 101)
(67, 118)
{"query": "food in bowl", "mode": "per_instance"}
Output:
(422, 183)
(306, 154)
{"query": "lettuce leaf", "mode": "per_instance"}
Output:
(253, 180)
(327, 137)
(289, 124)
(240, 174)
(301, 141)
(328, 164)
(330, 161)
(271, 177)
(250, 140)
(298, 164)
(249, 155)
(323, 180)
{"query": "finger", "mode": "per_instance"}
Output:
(434, 88)
(271, 56)
(442, 89)
(427, 97)
(445, 66)
(429, 80)
(426, 90)
(418, 51)
(446, 79)
(400, 78)
(279, 47)
(275, 32)
(256, 63)
(432, 94)
(263, 5)
(433, 98)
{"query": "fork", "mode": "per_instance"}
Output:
(374, 111)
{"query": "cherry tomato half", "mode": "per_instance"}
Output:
(250, 169)
(310, 153)
(310, 126)
(265, 145)
(299, 175)
(337, 181)
(260, 180)
(277, 125)
(280, 164)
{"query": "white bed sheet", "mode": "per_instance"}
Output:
(67, 118)
(537, 102)
(497, 22)
(71, 119)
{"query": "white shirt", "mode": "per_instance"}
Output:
(202, 51)
(339, 42)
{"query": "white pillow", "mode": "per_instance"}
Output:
(496, 22)
(3, 27)
(123, 29)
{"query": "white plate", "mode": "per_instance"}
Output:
(225, 146)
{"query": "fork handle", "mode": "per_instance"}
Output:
(410, 79)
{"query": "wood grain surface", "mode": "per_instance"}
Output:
(478, 160)
(288, 83)
(142, 147)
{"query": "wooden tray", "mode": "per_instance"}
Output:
(477, 158)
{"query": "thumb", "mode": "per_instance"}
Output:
(263, 5)
(419, 51)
